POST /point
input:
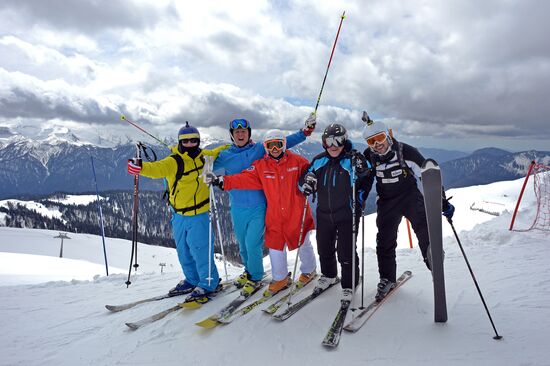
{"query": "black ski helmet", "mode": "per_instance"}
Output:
(240, 123)
(334, 134)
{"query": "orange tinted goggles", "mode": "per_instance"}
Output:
(274, 145)
(379, 137)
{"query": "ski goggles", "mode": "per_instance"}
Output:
(239, 123)
(193, 140)
(336, 141)
(272, 146)
(379, 137)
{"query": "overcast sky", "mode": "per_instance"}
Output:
(456, 74)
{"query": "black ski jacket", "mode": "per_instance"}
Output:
(334, 183)
(397, 174)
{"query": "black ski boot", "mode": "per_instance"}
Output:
(384, 287)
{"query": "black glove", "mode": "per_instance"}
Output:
(359, 163)
(213, 179)
(310, 184)
(447, 208)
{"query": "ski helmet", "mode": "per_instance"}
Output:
(274, 139)
(188, 132)
(371, 131)
(334, 135)
(240, 123)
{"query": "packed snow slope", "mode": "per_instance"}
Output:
(47, 319)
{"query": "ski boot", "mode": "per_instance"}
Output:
(241, 280)
(305, 278)
(182, 288)
(383, 288)
(277, 286)
(250, 287)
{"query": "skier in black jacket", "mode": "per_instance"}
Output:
(396, 166)
(330, 176)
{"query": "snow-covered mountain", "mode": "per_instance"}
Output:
(60, 162)
(490, 165)
(64, 322)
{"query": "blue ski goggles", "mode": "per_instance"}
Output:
(239, 123)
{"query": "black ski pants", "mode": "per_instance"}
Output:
(389, 215)
(335, 236)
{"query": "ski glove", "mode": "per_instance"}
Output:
(213, 179)
(360, 163)
(448, 209)
(310, 184)
(310, 123)
(134, 166)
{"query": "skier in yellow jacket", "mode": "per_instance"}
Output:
(189, 198)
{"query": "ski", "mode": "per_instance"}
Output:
(431, 183)
(272, 309)
(214, 319)
(152, 318)
(116, 308)
(255, 304)
(228, 288)
(293, 309)
(335, 331)
(362, 315)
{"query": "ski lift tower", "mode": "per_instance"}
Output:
(62, 236)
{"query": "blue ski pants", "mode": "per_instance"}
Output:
(249, 227)
(191, 237)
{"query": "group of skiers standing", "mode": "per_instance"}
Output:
(269, 187)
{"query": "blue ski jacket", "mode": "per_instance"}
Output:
(236, 159)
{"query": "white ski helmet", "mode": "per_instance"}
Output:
(275, 135)
(375, 128)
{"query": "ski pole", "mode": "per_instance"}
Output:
(123, 118)
(217, 218)
(134, 219)
(100, 217)
(329, 62)
(293, 284)
(497, 336)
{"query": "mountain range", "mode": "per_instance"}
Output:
(41, 167)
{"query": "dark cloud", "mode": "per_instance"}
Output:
(89, 16)
(21, 103)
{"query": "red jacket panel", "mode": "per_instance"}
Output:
(285, 203)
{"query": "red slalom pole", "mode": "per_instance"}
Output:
(329, 61)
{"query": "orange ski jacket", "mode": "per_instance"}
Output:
(285, 203)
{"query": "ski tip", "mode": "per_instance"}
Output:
(110, 307)
(132, 326)
(408, 273)
(208, 323)
(430, 164)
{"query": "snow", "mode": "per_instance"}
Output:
(64, 322)
(36, 206)
(73, 199)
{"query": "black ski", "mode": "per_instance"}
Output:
(292, 309)
(431, 183)
(335, 331)
(362, 315)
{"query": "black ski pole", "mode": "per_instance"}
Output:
(134, 219)
(497, 336)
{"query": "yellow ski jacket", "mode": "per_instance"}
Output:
(191, 196)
